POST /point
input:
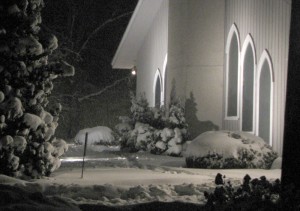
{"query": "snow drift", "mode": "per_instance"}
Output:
(96, 135)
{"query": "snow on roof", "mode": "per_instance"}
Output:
(137, 29)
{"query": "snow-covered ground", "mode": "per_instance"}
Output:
(117, 178)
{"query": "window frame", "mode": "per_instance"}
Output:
(233, 31)
(248, 42)
(265, 57)
(162, 79)
(157, 78)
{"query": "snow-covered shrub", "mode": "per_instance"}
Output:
(147, 138)
(225, 149)
(124, 126)
(177, 115)
(96, 135)
(140, 138)
(28, 145)
(59, 147)
(32, 121)
(169, 141)
(253, 194)
(140, 110)
(277, 163)
(20, 144)
(154, 130)
(158, 118)
(6, 143)
(174, 132)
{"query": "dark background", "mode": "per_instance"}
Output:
(96, 23)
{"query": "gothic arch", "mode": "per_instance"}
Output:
(264, 102)
(248, 83)
(232, 78)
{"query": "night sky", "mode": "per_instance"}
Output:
(73, 21)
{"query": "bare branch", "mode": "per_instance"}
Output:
(100, 27)
(72, 27)
(72, 51)
(103, 90)
(72, 22)
(63, 96)
(51, 30)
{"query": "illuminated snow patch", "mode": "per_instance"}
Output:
(77, 159)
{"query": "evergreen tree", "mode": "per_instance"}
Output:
(27, 119)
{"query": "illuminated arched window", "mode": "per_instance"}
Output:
(232, 73)
(265, 82)
(248, 82)
(164, 79)
(159, 85)
(157, 89)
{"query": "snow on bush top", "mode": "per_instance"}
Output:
(226, 149)
(96, 135)
(224, 143)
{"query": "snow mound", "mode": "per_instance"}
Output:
(277, 164)
(18, 198)
(11, 180)
(226, 149)
(96, 135)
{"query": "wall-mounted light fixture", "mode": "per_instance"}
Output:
(133, 70)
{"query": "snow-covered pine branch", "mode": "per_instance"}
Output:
(28, 145)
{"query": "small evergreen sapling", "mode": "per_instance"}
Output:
(140, 110)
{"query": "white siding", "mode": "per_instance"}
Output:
(196, 45)
(176, 75)
(152, 54)
(268, 21)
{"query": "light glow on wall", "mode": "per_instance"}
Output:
(133, 71)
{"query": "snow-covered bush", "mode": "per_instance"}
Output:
(140, 110)
(141, 137)
(28, 145)
(96, 135)
(277, 163)
(158, 118)
(170, 141)
(177, 115)
(253, 194)
(124, 126)
(225, 149)
(154, 130)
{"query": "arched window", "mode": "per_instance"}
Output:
(248, 85)
(265, 97)
(232, 74)
(157, 89)
(164, 79)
